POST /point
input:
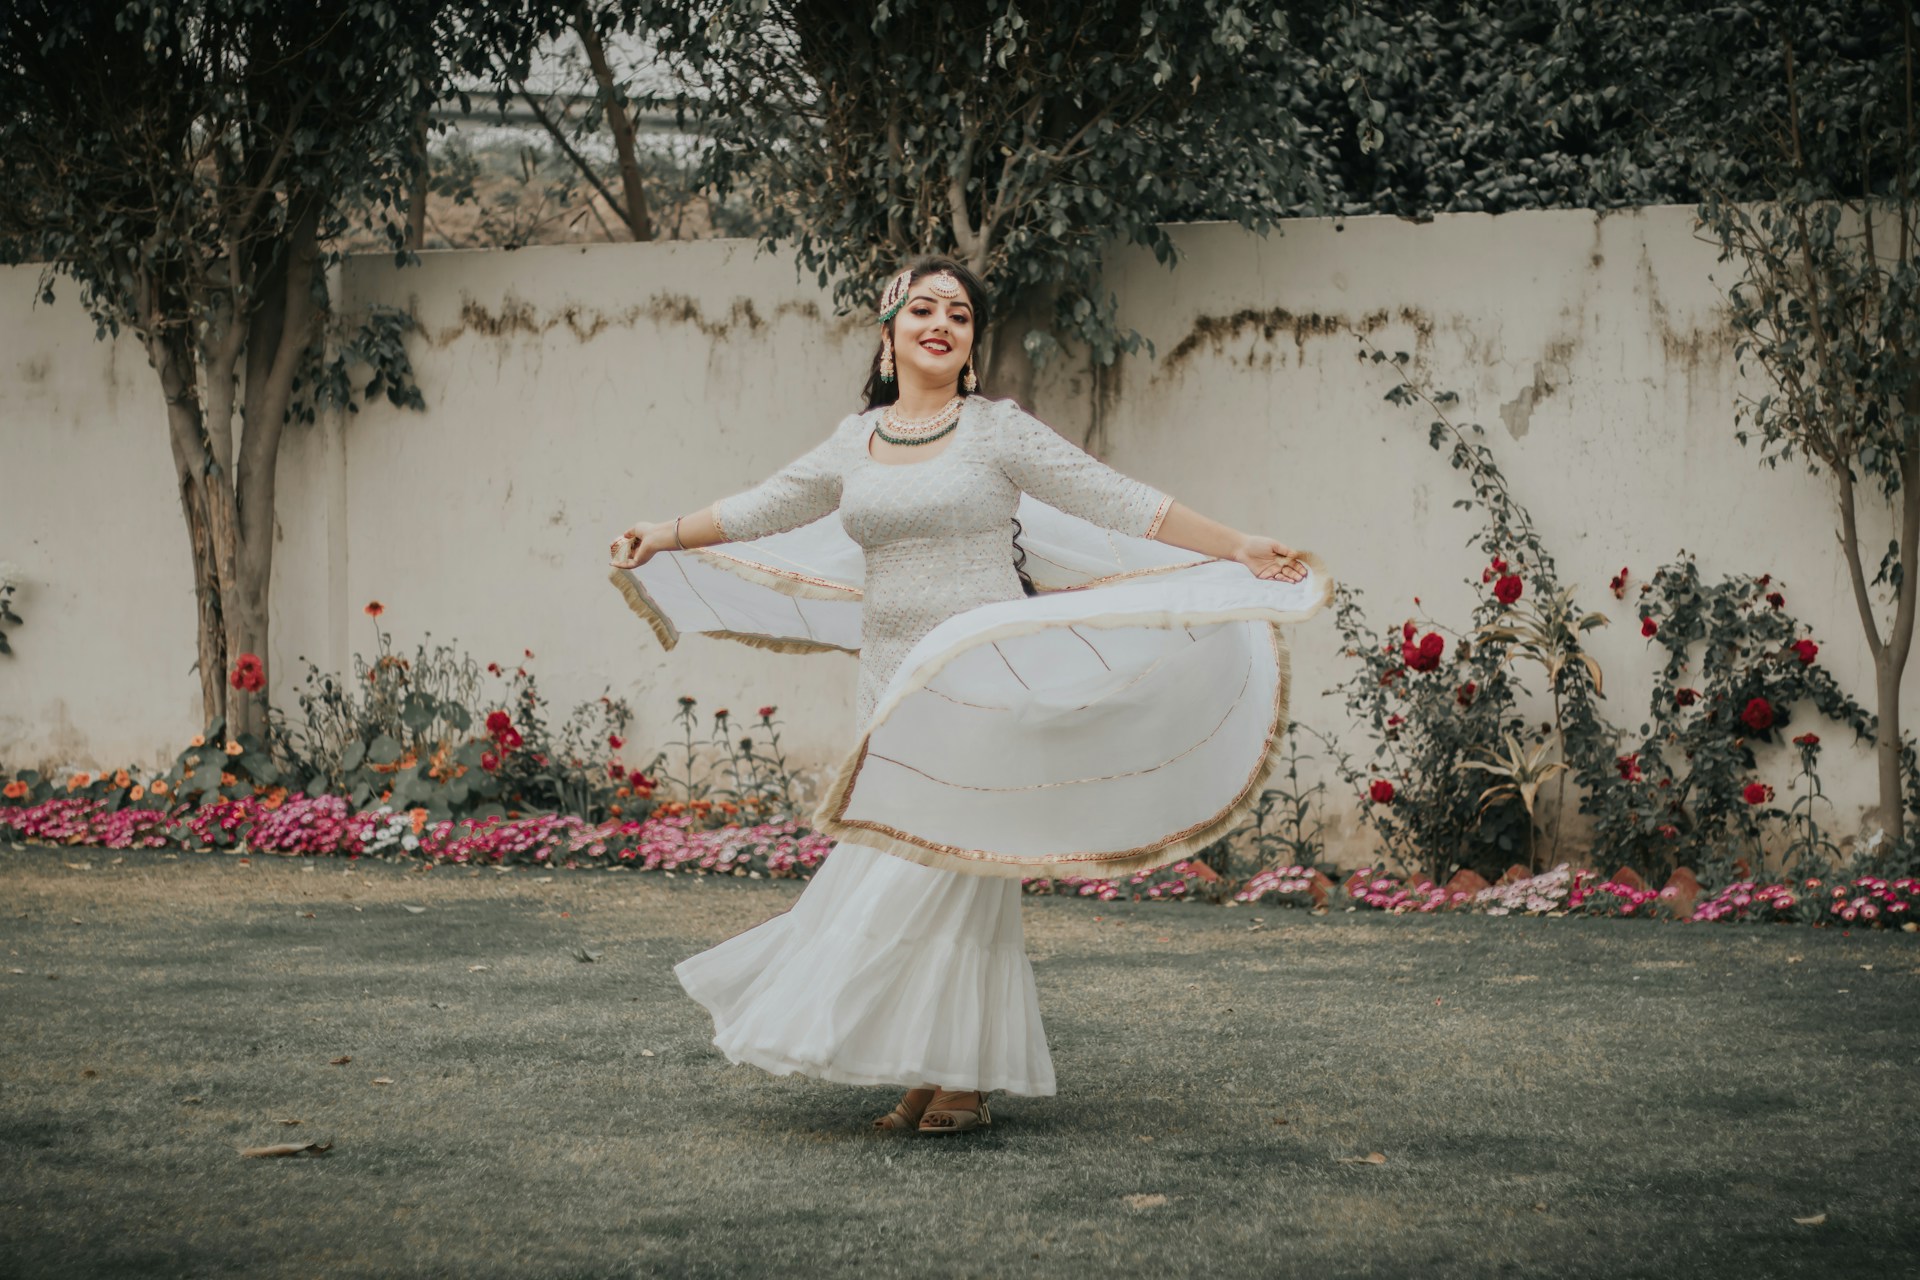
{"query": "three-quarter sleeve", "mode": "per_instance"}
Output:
(798, 493)
(1063, 475)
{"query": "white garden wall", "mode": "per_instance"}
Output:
(573, 390)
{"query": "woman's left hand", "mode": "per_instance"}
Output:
(1271, 559)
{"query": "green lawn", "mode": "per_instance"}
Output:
(1552, 1097)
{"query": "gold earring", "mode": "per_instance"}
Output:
(972, 382)
(886, 357)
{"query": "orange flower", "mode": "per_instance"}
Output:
(274, 798)
(614, 809)
(419, 817)
(78, 781)
(14, 790)
(374, 609)
(199, 740)
(227, 779)
(138, 793)
(728, 806)
(159, 786)
(234, 748)
(120, 778)
(386, 795)
(623, 792)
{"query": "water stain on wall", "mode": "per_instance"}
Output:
(1268, 324)
(517, 318)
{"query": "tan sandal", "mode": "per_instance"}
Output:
(943, 1115)
(906, 1113)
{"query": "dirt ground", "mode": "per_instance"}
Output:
(1565, 1097)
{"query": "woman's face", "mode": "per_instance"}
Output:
(932, 336)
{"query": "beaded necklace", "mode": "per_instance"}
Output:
(897, 430)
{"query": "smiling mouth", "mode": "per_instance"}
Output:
(936, 346)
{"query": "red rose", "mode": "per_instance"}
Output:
(1499, 565)
(640, 780)
(493, 668)
(1424, 656)
(1407, 629)
(1756, 793)
(1807, 740)
(1629, 767)
(489, 761)
(1777, 600)
(1618, 585)
(1685, 697)
(615, 772)
(498, 722)
(1381, 792)
(615, 741)
(1508, 589)
(1395, 721)
(1670, 833)
(766, 713)
(1648, 626)
(248, 673)
(1464, 694)
(1807, 650)
(1758, 716)
(510, 738)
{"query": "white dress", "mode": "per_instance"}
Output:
(1123, 718)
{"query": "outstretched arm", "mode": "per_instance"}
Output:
(1182, 526)
(799, 493)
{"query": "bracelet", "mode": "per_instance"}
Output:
(677, 544)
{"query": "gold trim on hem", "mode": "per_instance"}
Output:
(829, 816)
(664, 631)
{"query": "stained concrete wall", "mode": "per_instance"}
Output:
(573, 390)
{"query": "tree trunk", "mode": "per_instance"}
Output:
(173, 364)
(636, 215)
(1886, 745)
(1010, 366)
(418, 190)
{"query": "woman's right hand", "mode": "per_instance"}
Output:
(640, 544)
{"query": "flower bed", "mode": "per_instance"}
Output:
(311, 826)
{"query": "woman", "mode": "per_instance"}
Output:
(903, 961)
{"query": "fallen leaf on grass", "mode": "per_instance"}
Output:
(289, 1121)
(340, 1061)
(1280, 1120)
(308, 915)
(1139, 1202)
(382, 1080)
(646, 1053)
(476, 968)
(1814, 1221)
(1372, 1157)
(1539, 1206)
(79, 866)
(192, 1100)
(1795, 959)
(585, 956)
(290, 1149)
(16, 971)
(1144, 1137)
(78, 920)
(441, 1005)
(1867, 967)
(89, 1074)
(543, 879)
(416, 910)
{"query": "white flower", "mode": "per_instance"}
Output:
(10, 574)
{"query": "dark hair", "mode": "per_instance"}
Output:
(879, 393)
